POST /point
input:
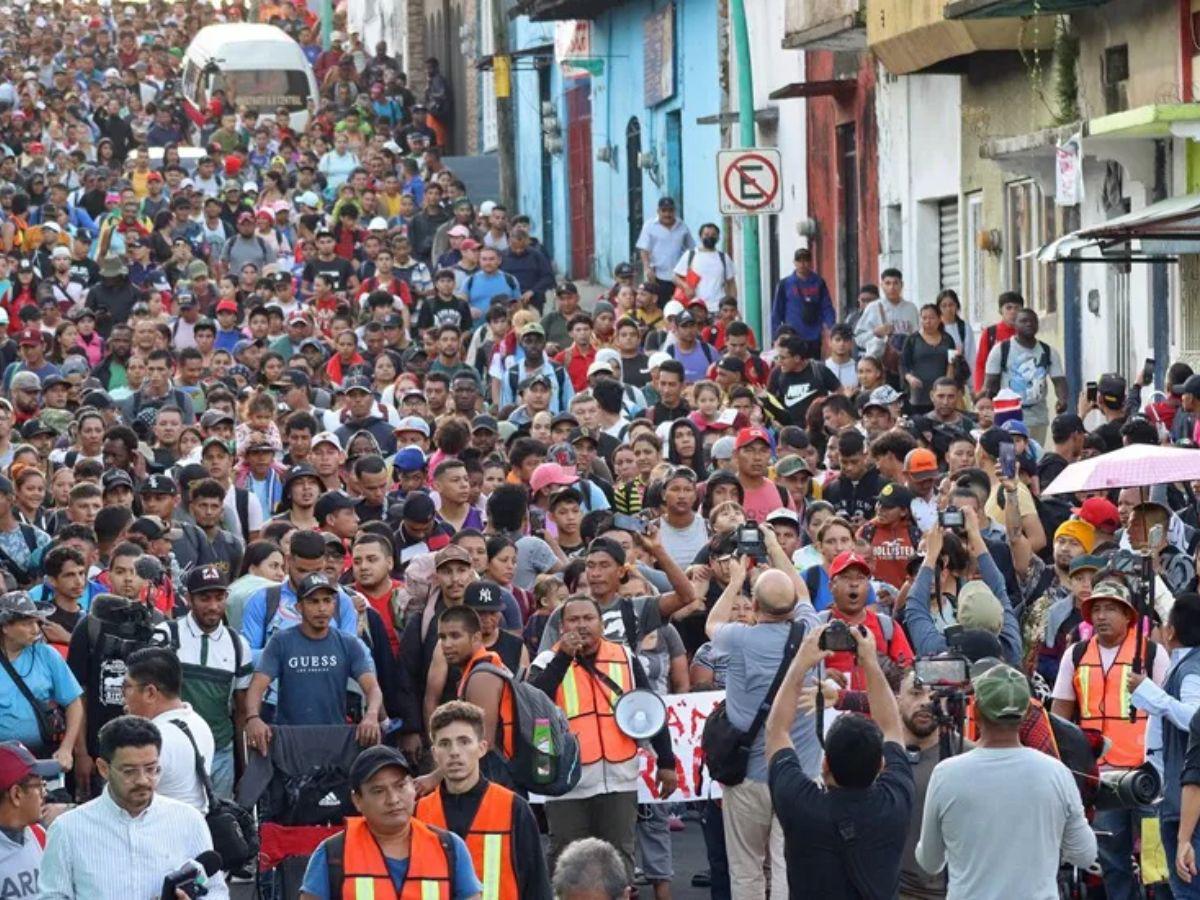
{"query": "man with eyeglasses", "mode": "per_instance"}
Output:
(22, 793)
(121, 845)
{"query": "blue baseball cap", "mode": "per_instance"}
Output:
(410, 459)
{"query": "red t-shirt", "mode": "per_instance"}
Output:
(382, 604)
(892, 547)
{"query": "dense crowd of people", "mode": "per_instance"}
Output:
(319, 482)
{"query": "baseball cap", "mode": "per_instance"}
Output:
(25, 381)
(326, 437)
(847, 559)
(723, 448)
(884, 396)
(566, 287)
(358, 383)
(1001, 693)
(331, 502)
(548, 474)
(318, 581)
(623, 270)
(35, 427)
(151, 527)
(373, 760)
(1087, 563)
(1016, 426)
(413, 423)
(205, 578)
(450, 553)
(895, 496)
(533, 328)
(483, 596)
(214, 417)
(159, 484)
(30, 337)
(792, 464)
(583, 434)
(748, 436)
(921, 463)
(17, 764)
(409, 459)
(485, 423)
(1099, 512)
(114, 478)
(227, 306)
(1111, 388)
(783, 514)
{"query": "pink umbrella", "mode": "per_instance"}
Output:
(1138, 465)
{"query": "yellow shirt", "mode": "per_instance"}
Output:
(137, 180)
(389, 206)
(1024, 503)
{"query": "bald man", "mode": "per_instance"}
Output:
(755, 653)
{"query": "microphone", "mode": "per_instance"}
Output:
(192, 876)
(149, 568)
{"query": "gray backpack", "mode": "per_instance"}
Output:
(545, 753)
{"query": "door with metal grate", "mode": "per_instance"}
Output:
(949, 255)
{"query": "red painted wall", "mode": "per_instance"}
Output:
(824, 115)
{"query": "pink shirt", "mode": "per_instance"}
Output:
(763, 500)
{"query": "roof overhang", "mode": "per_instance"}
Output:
(1157, 120)
(848, 32)
(555, 10)
(1162, 231)
(1009, 9)
(838, 88)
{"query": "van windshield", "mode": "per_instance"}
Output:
(263, 90)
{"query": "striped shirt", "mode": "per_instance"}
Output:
(100, 852)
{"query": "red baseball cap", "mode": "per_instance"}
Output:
(748, 436)
(17, 764)
(36, 147)
(227, 306)
(848, 559)
(1099, 513)
(154, 176)
(30, 337)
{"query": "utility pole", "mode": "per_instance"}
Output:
(502, 86)
(750, 251)
(326, 24)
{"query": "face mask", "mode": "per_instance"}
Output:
(709, 242)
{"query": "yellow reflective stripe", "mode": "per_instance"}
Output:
(616, 671)
(364, 889)
(493, 844)
(431, 890)
(570, 694)
(1084, 685)
(1124, 675)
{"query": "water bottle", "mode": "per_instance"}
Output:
(543, 761)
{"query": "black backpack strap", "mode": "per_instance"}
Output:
(201, 773)
(173, 628)
(1045, 360)
(29, 533)
(447, 843)
(795, 637)
(241, 500)
(1003, 355)
(629, 620)
(1077, 652)
(274, 597)
(39, 712)
(335, 861)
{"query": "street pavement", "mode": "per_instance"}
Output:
(689, 855)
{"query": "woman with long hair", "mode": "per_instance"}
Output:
(65, 343)
(29, 495)
(927, 356)
(960, 331)
(262, 566)
(685, 447)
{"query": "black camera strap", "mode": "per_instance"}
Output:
(39, 711)
(202, 775)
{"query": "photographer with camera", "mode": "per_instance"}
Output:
(1092, 689)
(922, 716)
(845, 840)
(944, 580)
(756, 653)
(1000, 817)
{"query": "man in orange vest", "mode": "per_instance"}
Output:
(581, 672)
(1092, 689)
(497, 825)
(460, 636)
(386, 853)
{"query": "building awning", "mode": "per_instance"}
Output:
(555, 10)
(1157, 120)
(841, 33)
(1162, 231)
(840, 88)
(1006, 9)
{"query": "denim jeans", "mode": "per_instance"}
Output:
(1170, 841)
(222, 772)
(713, 825)
(1117, 830)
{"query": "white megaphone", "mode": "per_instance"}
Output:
(640, 714)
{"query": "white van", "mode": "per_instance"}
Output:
(258, 66)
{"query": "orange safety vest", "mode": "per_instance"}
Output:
(505, 713)
(490, 838)
(365, 872)
(589, 703)
(1103, 702)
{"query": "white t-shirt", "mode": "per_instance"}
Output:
(847, 372)
(178, 760)
(714, 268)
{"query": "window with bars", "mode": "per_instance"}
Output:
(1030, 222)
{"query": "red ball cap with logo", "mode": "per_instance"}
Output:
(748, 436)
(848, 559)
(17, 764)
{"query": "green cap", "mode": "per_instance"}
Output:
(1087, 563)
(1001, 693)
